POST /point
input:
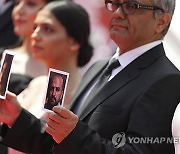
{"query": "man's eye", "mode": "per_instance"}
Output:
(114, 5)
(51, 88)
(130, 6)
(57, 88)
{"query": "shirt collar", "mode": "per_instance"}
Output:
(131, 55)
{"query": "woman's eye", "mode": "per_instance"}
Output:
(34, 27)
(30, 3)
(17, 2)
(48, 29)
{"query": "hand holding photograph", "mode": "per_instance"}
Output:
(5, 73)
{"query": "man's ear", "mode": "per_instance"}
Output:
(163, 21)
(62, 93)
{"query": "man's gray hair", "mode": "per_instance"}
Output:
(168, 6)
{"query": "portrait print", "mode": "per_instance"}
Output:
(57, 82)
(5, 73)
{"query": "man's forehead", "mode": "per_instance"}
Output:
(57, 80)
(55, 86)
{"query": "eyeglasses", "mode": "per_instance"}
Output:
(128, 7)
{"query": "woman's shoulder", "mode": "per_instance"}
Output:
(40, 80)
(37, 85)
(176, 122)
(176, 128)
(3, 52)
(32, 98)
(11, 51)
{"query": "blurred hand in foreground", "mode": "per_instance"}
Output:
(9, 109)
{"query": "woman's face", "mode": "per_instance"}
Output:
(50, 41)
(24, 14)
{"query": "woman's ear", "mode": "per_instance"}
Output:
(163, 22)
(74, 46)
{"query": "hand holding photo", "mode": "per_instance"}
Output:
(56, 88)
(5, 73)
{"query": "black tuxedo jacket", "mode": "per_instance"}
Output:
(7, 35)
(139, 102)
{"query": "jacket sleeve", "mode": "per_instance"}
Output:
(27, 135)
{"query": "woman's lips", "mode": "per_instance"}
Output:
(36, 48)
(19, 21)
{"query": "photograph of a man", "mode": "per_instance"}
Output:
(5, 73)
(56, 89)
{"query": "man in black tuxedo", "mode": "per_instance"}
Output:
(7, 35)
(131, 112)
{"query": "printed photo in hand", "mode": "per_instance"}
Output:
(5, 72)
(56, 88)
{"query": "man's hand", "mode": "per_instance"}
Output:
(9, 109)
(61, 122)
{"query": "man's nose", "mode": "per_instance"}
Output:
(54, 91)
(119, 13)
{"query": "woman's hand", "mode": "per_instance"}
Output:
(9, 109)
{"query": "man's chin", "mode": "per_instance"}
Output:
(54, 103)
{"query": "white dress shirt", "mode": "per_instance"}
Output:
(127, 57)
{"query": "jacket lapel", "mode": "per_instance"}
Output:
(89, 76)
(127, 75)
(119, 81)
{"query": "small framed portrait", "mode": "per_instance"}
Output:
(56, 88)
(5, 71)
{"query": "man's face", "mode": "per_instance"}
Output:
(130, 31)
(3, 70)
(55, 90)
